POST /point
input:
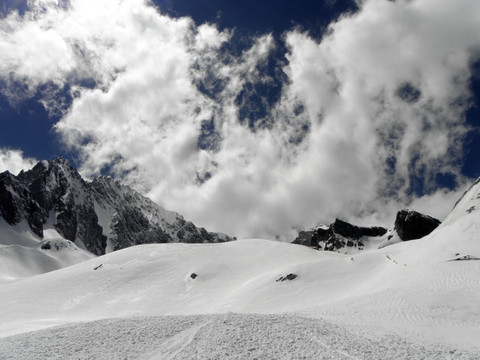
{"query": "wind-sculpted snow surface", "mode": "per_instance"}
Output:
(226, 336)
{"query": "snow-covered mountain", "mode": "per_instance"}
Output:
(99, 216)
(417, 299)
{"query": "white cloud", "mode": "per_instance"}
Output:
(390, 82)
(14, 161)
(351, 81)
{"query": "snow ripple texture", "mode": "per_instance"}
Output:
(226, 336)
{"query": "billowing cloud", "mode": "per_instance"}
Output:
(14, 161)
(361, 123)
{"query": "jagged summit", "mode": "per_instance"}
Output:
(99, 216)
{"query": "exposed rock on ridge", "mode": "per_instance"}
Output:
(100, 216)
(338, 235)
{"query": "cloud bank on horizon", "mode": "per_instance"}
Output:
(361, 116)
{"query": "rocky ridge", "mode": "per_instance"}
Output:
(99, 216)
(338, 235)
(342, 236)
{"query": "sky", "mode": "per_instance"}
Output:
(253, 118)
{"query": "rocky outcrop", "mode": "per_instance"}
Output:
(101, 215)
(338, 235)
(411, 225)
(58, 190)
(305, 237)
(355, 232)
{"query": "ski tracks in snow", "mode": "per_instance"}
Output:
(223, 336)
(177, 343)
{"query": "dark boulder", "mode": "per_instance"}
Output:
(411, 225)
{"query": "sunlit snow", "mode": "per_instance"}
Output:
(411, 300)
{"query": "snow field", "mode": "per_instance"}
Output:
(22, 256)
(409, 300)
(226, 336)
(372, 294)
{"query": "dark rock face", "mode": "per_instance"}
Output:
(346, 230)
(338, 235)
(57, 188)
(103, 215)
(305, 238)
(356, 232)
(411, 225)
(14, 198)
(137, 220)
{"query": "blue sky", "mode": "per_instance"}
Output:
(282, 114)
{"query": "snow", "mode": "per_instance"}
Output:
(407, 300)
(22, 256)
(105, 214)
(225, 336)
(390, 238)
(19, 234)
(11, 190)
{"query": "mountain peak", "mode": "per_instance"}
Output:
(99, 216)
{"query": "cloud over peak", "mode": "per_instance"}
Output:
(287, 133)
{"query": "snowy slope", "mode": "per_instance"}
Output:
(223, 336)
(412, 300)
(23, 254)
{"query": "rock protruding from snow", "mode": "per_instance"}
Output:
(100, 216)
(339, 235)
(411, 225)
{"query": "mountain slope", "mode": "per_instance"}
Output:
(433, 302)
(423, 295)
(23, 254)
(418, 299)
(98, 216)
